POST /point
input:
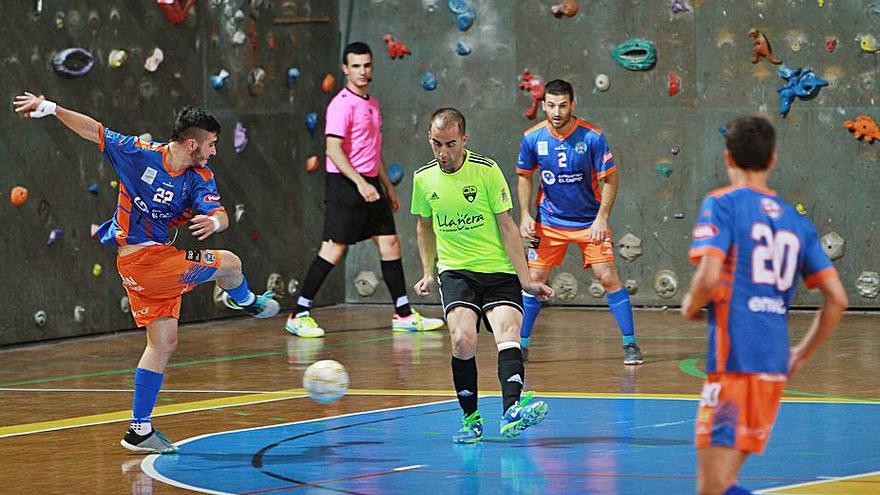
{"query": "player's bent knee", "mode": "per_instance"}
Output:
(230, 263)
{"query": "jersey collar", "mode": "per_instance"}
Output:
(562, 137)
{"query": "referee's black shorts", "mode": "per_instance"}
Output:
(348, 219)
(479, 292)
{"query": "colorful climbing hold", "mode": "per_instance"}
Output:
(679, 6)
(97, 270)
(429, 81)
(312, 122)
(663, 169)
(800, 83)
(800, 208)
(761, 48)
(93, 188)
(674, 83)
(239, 137)
(291, 77)
(73, 62)
(864, 127)
(312, 164)
(462, 48)
(535, 86)
(567, 8)
(830, 43)
(55, 235)
(218, 80)
(151, 64)
(465, 14)
(395, 173)
(18, 196)
(868, 43)
(635, 54)
(396, 48)
(116, 58)
(328, 83)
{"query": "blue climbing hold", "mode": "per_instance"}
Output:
(312, 122)
(395, 173)
(291, 77)
(54, 236)
(429, 81)
(800, 83)
(462, 48)
(93, 188)
(219, 80)
(465, 13)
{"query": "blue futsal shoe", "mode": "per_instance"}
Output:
(522, 415)
(264, 306)
(471, 430)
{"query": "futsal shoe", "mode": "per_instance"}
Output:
(632, 354)
(303, 326)
(153, 443)
(415, 323)
(264, 306)
(523, 415)
(471, 430)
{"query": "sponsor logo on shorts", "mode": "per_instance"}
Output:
(141, 312)
(581, 147)
(209, 257)
(760, 304)
(470, 193)
(770, 208)
(704, 231)
(212, 198)
(194, 256)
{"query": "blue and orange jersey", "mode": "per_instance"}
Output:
(765, 245)
(571, 166)
(153, 199)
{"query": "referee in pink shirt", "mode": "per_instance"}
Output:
(359, 199)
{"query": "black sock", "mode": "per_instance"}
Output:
(392, 272)
(318, 271)
(464, 376)
(511, 372)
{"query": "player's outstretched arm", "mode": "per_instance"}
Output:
(427, 252)
(824, 323)
(513, 244)
(35, 107)
(702, 286)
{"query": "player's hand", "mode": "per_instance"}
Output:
(27, 103)
(368, 192)
(689, 311)
(539, 290)
(423, 286)
(599, 230)
(527, 227)
(201, 227)
(796, 359)
(393, 199)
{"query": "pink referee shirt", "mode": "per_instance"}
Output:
(358, 121)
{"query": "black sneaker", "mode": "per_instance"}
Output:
(632, 354)
(153, 443)
(264, 306)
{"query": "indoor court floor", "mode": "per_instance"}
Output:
(232, 400)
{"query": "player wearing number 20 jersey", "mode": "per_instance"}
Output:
(765, 245)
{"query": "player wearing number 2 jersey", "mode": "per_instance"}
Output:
(751, 246)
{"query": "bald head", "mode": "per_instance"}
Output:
(447, 119)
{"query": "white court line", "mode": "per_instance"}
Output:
(147, 466)
(817, 482)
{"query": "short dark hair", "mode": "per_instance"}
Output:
(559, 87)
(357, 48)
(445, 117)
(193, 118)
(751, 140)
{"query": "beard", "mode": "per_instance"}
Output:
(197, 158)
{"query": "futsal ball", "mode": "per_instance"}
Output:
(326, 381)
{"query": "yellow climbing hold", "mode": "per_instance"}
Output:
(114, 184)
(821, 3)
(97, 270)
(801, 209)
(868, 43)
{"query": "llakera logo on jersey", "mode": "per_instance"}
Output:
(704, 231)
(470, 193)
(770, 208)
(581, 147)
(212, 198)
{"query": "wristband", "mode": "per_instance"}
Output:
(216, 222)
(46, 108)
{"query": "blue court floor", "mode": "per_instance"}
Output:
(585, 446)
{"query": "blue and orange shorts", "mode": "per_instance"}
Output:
(549, 248)
(738, 410)
(155, 278)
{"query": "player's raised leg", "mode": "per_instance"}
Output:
(462, 323)
(238, 295)
(621, 308)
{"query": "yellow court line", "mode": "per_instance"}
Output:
(860, 484)
(295, 393)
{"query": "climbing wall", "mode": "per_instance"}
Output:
(667, 140)
(273, 202)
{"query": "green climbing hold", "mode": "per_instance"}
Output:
(635, 54)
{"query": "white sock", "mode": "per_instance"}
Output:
(508, 345)
(250, 300)
(142, 428)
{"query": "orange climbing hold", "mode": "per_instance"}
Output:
(761, 48)
(567, 8)
(18, 196)
(396, 48)
(328, 83)
(312, 164)
(864, 127)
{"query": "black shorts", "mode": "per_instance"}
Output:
(479, 292)
(348, 219)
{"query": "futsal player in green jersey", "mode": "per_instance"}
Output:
(463, 204)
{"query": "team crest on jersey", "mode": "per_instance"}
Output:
(704, 231)
(770, 208)
(581, 147)
(470, 193)
(543, 149)
(548, 177)
(209, 257)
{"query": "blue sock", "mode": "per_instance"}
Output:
(737, 490)
(242, 294)
(618, 303)
(532, 307)
(146, 389)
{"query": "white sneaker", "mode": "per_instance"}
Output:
(303, 326)
(415, 323)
